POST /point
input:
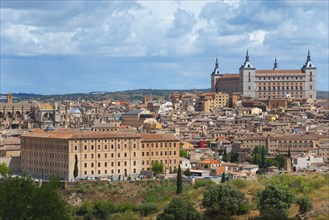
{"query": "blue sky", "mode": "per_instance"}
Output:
(56, 47)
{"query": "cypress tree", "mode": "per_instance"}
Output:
(263, 156)
(223, 178)
(289, 153)
(76, 169)
(179, 182)
(225, 155)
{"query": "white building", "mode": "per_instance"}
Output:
(185, 163)
(304, 161)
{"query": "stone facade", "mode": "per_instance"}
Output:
(267, 84)
(100, 154)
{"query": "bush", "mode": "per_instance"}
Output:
(203, 183)
(305, 204)
(225, 200)
(239, 183)
(274, 203)
(147, 208)
(179, 209)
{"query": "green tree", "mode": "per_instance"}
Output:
(225, 155)
(76, 169)
(234, 157)
(289, 153)
(16, 197)
(179, 183)
(263, 153)
(305, 204)
(224, 200)
(274, 203)
(21, 199)
(47, 203)
(157, 167)
(187, 172)
(179, 209)
(4, 169)
(223, 178)
(280, 161)
(183, 153)
(255, 155)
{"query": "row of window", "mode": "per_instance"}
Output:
(156, 153)
(125, 163)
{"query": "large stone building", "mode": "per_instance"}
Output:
(99, 154)
(267, 84)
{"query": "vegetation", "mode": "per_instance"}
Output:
(187, 172)
(4, 169)
(180, 209)
(234, 157)
(157, 167)
(183, 153)
(147, 199)
(223, 178)
(179, 183)
(225, 155)
(76, 169)
(21, 199)
(305, 204)
(224, 200)
(274, 203)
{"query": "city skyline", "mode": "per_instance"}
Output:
(80, 46)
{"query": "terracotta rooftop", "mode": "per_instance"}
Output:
(230, 75)
(79, 135)
(158, 137)
(10, 141)
(278, 72)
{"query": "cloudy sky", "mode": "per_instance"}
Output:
(82, 46)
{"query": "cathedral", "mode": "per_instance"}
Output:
(267, 84)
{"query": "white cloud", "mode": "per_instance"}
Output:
(256, 38)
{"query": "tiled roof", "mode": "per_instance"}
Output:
(228, 76)
(10, 141)
(80, 135)
(278, 72)
(133, 112)
(158, 137)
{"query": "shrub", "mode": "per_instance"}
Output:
(203, 183)
(180, 209)
(305, 204)
(239, 183)
(147, 208)
(274, 203)
(225, 200)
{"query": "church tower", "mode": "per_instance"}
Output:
(215, 75)
(310, 77)
(9, 98)
(247, 82)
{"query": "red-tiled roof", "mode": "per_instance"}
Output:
(278, 72)
(158, 137)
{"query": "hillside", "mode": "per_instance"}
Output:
(146, 199)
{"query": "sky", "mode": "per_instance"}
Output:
(58, 47)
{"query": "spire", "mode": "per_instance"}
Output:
(308, 55)
(275, 64)
(247, 63)
(247, 57)
(308, 63)
(216, 70)
(216, 64)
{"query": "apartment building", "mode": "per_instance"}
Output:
(99, 154)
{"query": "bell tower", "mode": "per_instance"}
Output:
(310, 77)
(10, 98)
(247, 82)
(215, 75)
